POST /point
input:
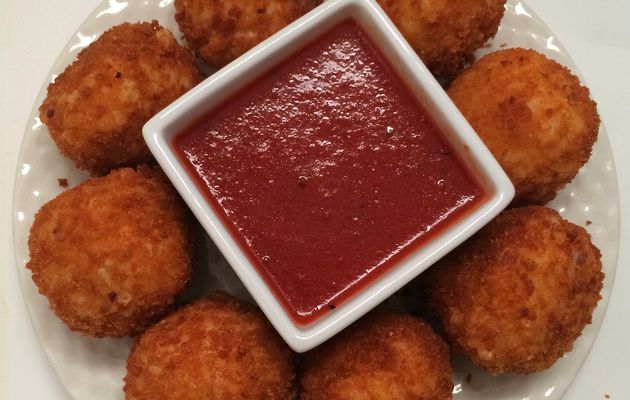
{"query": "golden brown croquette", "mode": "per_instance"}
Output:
(383, 356)
(96, 108)
(220, 348)
(222, 30)
(112, 253)
(534, 116)
(445, 33)
(517, 295)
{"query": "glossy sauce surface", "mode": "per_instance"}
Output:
(327, 171)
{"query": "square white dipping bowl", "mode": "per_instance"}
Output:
(161, 129)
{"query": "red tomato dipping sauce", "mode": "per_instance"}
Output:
(327, 171)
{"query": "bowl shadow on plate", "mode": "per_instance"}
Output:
(210, 272)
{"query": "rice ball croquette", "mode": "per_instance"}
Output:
(383, 356)
(222, 30)
(112, 254)
(516, 296)
(534, 116)
(217, 348)
(96, 108)
(445, 33)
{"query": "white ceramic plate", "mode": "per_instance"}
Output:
(94, 368)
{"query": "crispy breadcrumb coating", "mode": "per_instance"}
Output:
(222, 30)
(516, 296)
(112, 253)
(445, 33)
(96, 108)
(383, 356)
(218, 348)
(533, 115)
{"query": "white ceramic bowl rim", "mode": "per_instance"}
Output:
(159, 131)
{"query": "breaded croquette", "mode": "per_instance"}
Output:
(96, 108)
(533, 115)
(445, 33)
(222, 30)
(220, 348)
(112, 253)
(516, 296)
(383, 356)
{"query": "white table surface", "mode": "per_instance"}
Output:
(33, 32)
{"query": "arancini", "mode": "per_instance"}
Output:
(219, 348)
(96, 107)
(111, 254)
(516, 296)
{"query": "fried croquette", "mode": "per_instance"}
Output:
(219, 31)
(383, 356)
(218, 348)
(533, 115)
(112, 253)
(516, 296)
(96, 108)
(445, 33)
